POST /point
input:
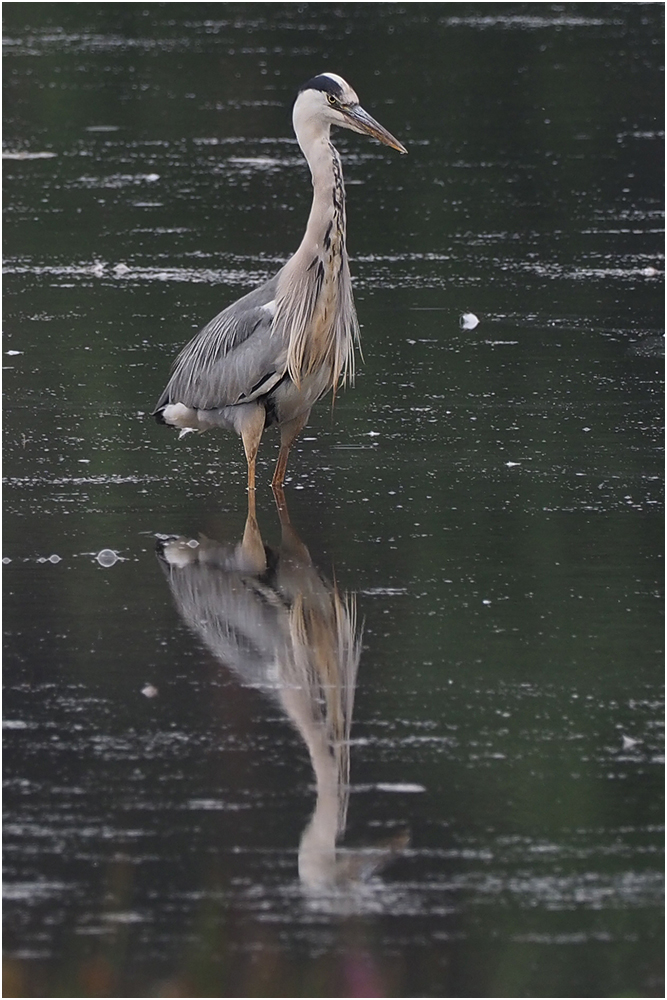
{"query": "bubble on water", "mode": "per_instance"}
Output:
(54, 559)
(106, 557)
(468, 321)
(149, 691)
(5, 560)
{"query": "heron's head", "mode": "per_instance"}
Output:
(328, 100)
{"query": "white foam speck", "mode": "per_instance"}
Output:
(399, 787)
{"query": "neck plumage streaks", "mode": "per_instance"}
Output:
(314, 307)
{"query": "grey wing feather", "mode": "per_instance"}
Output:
(233, 359)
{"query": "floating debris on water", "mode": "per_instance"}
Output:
(468, 321)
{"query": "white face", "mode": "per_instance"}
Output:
(321, 106)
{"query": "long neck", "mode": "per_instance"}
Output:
(315, 309)
(326, 224)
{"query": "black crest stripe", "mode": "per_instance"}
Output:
(324, 83)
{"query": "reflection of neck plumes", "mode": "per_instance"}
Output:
(319, 699)
(326, 656)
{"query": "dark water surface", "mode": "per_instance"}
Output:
(459, 681)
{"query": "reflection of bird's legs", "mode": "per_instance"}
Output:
(291, 543)
(288, 433)
(251, 432)
(252, 544)
(281, 502)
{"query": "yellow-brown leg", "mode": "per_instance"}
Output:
(288, 434)
(251, 434)
(252, 507)
(281, 468)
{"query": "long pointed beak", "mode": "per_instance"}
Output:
(360, 121)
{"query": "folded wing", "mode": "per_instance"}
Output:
(235, 358)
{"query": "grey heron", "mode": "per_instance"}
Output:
(267, 358)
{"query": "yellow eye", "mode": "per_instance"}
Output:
(332, 100)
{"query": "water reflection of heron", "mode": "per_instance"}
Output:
(273, 619)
